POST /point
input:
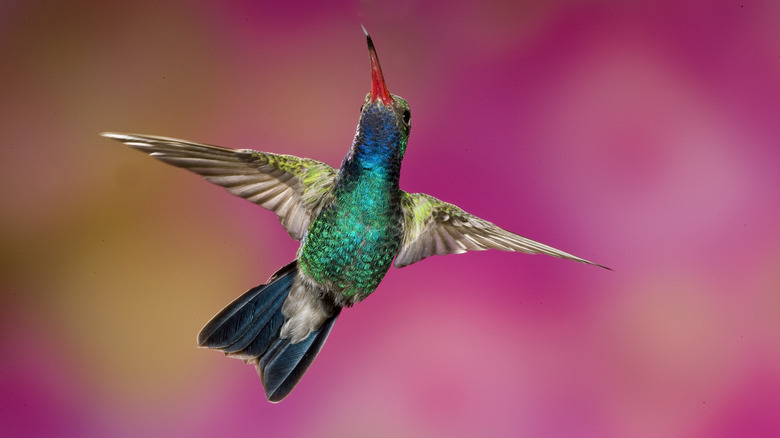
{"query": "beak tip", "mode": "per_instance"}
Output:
(378, 87)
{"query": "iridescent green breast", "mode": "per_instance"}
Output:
(350, 245)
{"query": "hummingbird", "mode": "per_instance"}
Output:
(353, 223)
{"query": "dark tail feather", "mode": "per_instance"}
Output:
(283, 365)
(258, 311)
(248, 329)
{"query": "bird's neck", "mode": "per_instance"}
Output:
(376, 153)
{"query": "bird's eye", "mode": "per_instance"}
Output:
(407, 116)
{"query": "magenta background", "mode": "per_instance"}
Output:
(642, 136)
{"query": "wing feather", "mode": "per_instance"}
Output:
(293, 188)
(434, 227)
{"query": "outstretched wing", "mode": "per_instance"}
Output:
(434, 227)
(293, 188)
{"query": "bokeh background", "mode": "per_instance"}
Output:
(641, 135)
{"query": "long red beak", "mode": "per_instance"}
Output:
(378, 86)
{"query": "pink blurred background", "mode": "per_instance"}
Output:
(643, 136)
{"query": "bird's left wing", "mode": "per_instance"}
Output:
(293, 188)
(434, 227)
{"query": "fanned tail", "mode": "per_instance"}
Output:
(249, 328)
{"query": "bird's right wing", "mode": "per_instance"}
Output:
(293, 188)
(434, 227)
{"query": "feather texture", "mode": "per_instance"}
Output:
(293, 188)
(283, 365)
(434, 227)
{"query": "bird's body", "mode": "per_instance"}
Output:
(351, 244)
(352, 223)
